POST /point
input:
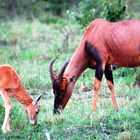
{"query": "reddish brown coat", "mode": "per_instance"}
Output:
(114, 43)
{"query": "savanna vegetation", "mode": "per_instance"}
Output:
(32, 33)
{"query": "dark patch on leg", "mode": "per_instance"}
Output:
(94, 54)
(110, 83)
(99, 72)
(108, 73)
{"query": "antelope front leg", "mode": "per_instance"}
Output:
(8, 106)
(97, 83)
(110, 83)
(6, 124)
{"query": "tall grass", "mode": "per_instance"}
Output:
(29, 47)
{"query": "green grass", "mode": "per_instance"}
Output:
(36, 45)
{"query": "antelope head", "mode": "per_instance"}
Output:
(33, 109)
(59, 85)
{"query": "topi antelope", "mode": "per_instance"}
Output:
(103, 44)
(10, 86)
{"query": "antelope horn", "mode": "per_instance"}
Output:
(62, 71)
(37, 99)
(51, 69)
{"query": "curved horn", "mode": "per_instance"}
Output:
(51, 69)
(62, 71)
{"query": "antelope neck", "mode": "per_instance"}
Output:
(22, 96)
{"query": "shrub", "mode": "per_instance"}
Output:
(112, 10)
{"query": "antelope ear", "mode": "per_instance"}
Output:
(72, 79)
(37, 100)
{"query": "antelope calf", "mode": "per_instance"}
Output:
(11, 86)
(104, 43)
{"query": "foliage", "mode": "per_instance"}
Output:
(46, 10)
(112, 10)
(58, 6)
(89, 10)
(51, 10)
(115, 10)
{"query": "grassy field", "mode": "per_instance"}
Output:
(28, 47)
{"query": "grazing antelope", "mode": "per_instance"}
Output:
(103, 44)
(10, 86)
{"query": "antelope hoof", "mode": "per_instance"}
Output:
(5, 130)
(94, 107)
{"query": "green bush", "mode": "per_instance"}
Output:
(112, 10)
(115, 10)
(89, 10)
